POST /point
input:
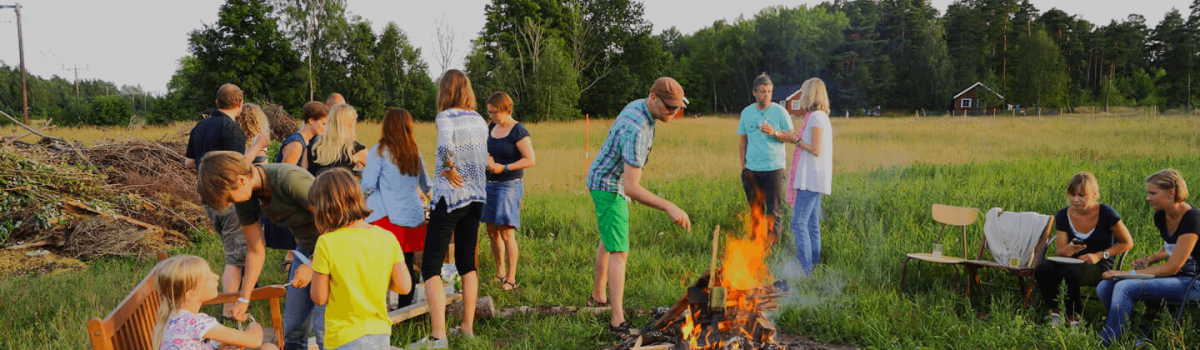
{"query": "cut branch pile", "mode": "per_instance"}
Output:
(282, 124)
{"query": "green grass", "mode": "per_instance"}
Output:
(874, 216)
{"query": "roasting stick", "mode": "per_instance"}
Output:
(716, 293)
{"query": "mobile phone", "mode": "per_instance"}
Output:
(1077, 241)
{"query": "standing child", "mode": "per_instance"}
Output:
(185, 282)
(354, 266)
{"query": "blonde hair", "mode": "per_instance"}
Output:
(337, 143)
(454, 91)
(813, 96)
(1170, 179)
(218, 175)
(253, 122)
(337, 200)
(1083, 181)
(173, 278)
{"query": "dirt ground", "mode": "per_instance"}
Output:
(16, 262)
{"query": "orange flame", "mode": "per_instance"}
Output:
(745, 265)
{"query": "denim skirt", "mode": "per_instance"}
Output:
(503, 203)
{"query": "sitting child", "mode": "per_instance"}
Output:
(354, 265)
(185, 282)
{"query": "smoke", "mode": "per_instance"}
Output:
(807, 290)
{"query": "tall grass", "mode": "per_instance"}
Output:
(890, 171)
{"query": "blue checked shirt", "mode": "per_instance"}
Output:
(629, 141)
(462, 136)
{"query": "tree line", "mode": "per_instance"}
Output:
(560, 59)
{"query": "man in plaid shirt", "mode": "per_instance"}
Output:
(613, 179)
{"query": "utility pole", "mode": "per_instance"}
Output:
(76, 69)
(21, 47)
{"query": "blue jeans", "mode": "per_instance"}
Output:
(806, 229)
(1118, 297)
(300, 314)
(369, 342)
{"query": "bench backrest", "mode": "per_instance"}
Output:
(131, 324)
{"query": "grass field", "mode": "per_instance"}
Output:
(889, 172)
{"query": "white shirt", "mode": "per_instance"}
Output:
(815, 173)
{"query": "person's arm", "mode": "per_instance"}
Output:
(401, 282)
(188, 162)
(423, 179)
(251, 338)
(260, 144)
(320, 289)
(1124, 239)
(527, 157)
(292, 153)
(634, 189)
(813, 147)
(256, 253)
(742, 150)
(1175, 260)
(359, 158)
(1063, 246)
(372, 171)
(445, 152)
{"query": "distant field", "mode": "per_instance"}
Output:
(890, 170)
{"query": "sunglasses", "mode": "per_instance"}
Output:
(670, 108)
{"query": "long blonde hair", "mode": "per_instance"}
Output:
(173, 278)
(813, 96)
(337, 143)
(253, 122)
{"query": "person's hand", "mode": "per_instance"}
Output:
(1073, 248)
(767, 129)
(239, 311)
(1108, 275)
(1139, 264)
(495, 168)
(302, 277)
(1091, 259)
(264, 139)
(453, 177)
(680, 218)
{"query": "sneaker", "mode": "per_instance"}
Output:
(458, 333)
(1055, 318)
(429, 343)
(1074, 322)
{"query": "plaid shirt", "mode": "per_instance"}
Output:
(629, 142)
(462, 136)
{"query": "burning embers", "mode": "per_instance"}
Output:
(724, 308)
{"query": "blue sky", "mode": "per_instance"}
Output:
(132, 42)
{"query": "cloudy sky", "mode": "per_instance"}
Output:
(139, 42)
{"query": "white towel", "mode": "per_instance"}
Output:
(1013, 235)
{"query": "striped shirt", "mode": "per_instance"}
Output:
(629, 141)
(462, 136)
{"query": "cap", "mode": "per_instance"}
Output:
(669, 90)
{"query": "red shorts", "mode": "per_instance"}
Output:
(412, 239)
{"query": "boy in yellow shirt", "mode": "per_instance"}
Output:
(354, 265)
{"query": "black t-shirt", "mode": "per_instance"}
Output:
(1101, 237)
(1189, 224)
(504, 151)
(345, 162)
(218, 132)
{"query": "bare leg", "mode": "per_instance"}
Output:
(435, 296)
(616, 286)
(509, 237)
(470, 283)
(497, 248)
(601, 277)
(231, 280)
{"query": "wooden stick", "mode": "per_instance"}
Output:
(654, 347)
(68, 142)
(415, 310)
(712, 271)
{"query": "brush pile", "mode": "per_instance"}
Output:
(282, 124)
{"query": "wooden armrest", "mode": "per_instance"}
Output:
(269, 292)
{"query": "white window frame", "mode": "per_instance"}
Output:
(796, 104)
(965, 103)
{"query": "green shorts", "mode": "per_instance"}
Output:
(612, 213)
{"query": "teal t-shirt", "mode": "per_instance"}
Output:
(764, 152)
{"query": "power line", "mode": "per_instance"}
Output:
(76, 69)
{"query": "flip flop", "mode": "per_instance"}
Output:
(506, 283)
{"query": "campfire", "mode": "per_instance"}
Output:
(724, 308)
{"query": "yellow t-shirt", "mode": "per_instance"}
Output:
(359, 264)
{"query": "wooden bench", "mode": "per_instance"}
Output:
(131, 325)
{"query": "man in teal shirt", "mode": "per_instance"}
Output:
(762, 155)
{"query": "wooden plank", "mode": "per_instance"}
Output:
(260, 293)
(655, 347)
(407, 312)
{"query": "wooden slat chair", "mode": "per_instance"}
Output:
(131, 325)
(947, 215)
(1023, 273)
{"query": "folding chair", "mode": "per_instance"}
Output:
(949, 216)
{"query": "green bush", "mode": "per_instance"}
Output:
(109, 111)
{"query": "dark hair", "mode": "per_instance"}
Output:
(762, 79)
(229, 96)
(399, 142)
(218, 176)
(337, 200)
(454, 91)
(314, 110)
(501, 101)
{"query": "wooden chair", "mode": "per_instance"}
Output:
(131, 325)
(1023, 273)
(949, 216)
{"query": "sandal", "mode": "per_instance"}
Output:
(506, 284)
(592, 302)
(623, 328)
(501, 279)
